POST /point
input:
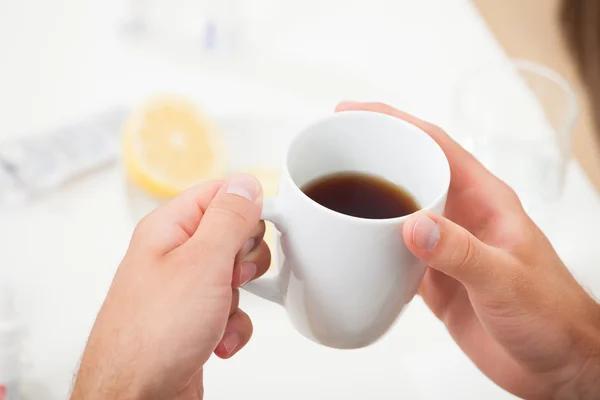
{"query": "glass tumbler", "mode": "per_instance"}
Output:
(516, 117)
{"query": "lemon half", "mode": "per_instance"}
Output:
(169, 145)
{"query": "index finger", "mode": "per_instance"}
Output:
(171, 224)
(472, 186)
(227, 223)
(463, 166)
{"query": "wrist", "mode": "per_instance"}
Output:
(583, 383)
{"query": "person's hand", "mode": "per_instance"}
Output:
(174, 298)
(498, 285)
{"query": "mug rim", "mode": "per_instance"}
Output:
(350, 218)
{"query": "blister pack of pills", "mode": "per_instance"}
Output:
(33, 165)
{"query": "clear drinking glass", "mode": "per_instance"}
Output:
(516, 117)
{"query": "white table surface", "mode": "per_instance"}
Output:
(62, 59)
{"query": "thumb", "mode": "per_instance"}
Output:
(228, 221)
(449, 248)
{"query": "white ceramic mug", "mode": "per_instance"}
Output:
(344, 280)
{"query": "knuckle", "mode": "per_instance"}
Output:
(513, 230)
(259, 230)
(225, 212)
(465, 257)
(434, 130)
(143, 226)
(436, 133)
(509, 193)
(507, 201)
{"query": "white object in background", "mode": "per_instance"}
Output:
(516, 117)
(194, 26)
(9, 344)
(345, 280)
(33, 165)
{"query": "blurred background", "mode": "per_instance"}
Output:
(107, 108)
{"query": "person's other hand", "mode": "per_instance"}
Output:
(174, 298)
(498, 285)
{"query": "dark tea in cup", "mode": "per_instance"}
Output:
(361, 195)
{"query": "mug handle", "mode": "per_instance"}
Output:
(268, 288)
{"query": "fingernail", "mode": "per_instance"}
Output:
(231, 341)
(244, 185)
(426, 233)
(246, 248)
(247, 272)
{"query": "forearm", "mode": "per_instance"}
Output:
(92, 384)
(103, 373)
